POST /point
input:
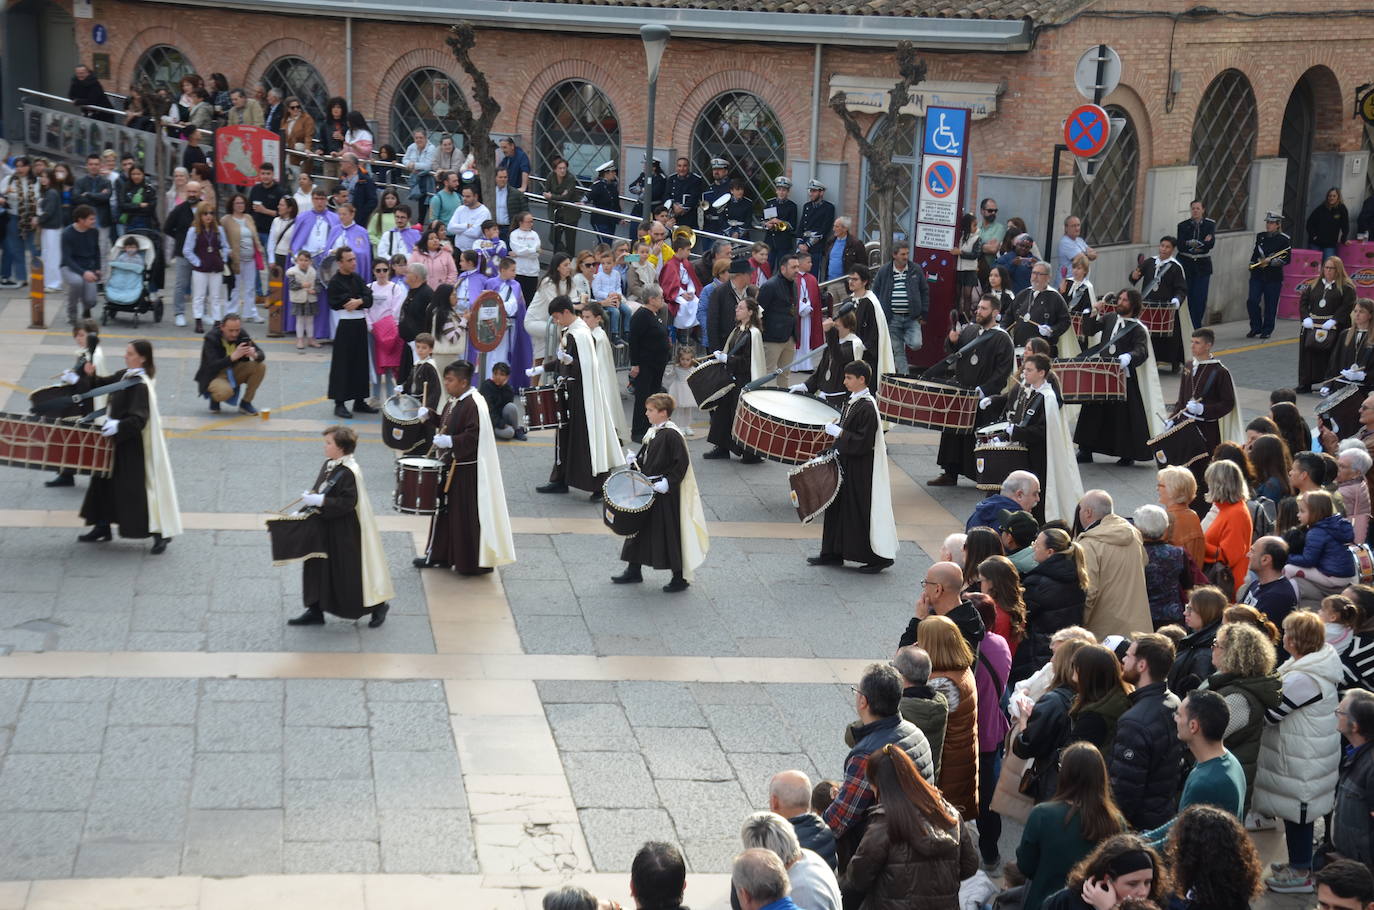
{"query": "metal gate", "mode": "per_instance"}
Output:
(1295, 144)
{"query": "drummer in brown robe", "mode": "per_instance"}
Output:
(424, 383)
(1350, 365)
(1039, 311)
(742, 354)
(1325, 308)
(1205, 391)
(674, 534)
(984, 370)
(842, 347)
(1120, 428)
(1164, 283)
(353, 580)
(859, 524)
(471, 531)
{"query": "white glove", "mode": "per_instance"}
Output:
(799, 388)
(631, 459)
(833, 429)
(534, 371)
(1308, 323)
(978, 390)
(111, 426)
(1125, 360)
(313, 499)
(661, 485)
(1174, 303)
(1168, 424)
(1046, 331)
(1194, 407)
(1329, 324)
(442, 441)
(564, 357)
(423, 413)
(983, 403)
(69, 378)
(720, 356)
(1326, 389)
(1352, 375)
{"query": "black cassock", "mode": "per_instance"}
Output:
(1118, 428)
(740, 366)
(122, 498)
(455, 534)
(828, 376)
(1080, 303)
(1173, 283)
(1023, 408)
(1354, 351)
(659, 545)
(1319, 303)
(573, 464)
(1211, 382)
(845, 531)
(348, 364)
(988, 366)
(1046, 307)
(335, 585)
(425, 384)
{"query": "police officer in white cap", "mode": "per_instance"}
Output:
(720, 187)
(780, 222)
(1273, 249)
(605, 194)
(817, 222)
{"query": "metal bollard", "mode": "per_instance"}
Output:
(36, 295)
(275, 303)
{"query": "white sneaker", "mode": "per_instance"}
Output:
(1256, 822)
(181, 319)
(688, 431)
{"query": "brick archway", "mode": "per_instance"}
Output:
(614, 88)
(788, 110)
(139, 45)
(1327, 103)
(436, 58)
(329, 67)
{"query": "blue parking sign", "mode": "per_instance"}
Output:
(945, 131)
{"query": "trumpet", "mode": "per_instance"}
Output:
(686, 232)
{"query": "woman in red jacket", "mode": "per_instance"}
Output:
(1229, 536)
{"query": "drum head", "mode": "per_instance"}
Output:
(402, 408)
(628, 490)
(416, 463)
(797, 409)
(487, 322)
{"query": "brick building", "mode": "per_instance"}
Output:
(1246, 104)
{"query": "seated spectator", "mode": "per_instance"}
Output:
(1018, 536)
(1101, 696)
(1118, 603)
(1193, 662)
(1046, 729)
(1177, 488)
(1325, 565)
(1244, 676)
(500, 399)
(1122, 868)
(760, 881)
(658, 876)
(951, 662)
(1271, 591)
(811, 881)
(1355, 462)
(1061, 832)
(231, 366)
(1217, 778)
(1020, 493)
(789, 795)
(1146, 753)
(921, 704)
(941, 596)
(1346, 884)
(1228, 536)
(1055, 592)
(1201, 836)
(1350, 832)
(1168, 570)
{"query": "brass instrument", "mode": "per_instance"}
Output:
(685, 232)
(1266, 260)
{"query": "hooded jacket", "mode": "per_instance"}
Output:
(1327, 547)
(1118, 603)
(1300, 751)
(1054, 601)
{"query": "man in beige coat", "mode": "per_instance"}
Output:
(1118, 603)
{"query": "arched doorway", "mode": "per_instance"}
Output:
(1295, 143)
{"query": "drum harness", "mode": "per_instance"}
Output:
(59, 403)
(1211, 381)
(1122, 328)
(942, 365)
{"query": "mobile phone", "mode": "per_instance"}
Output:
(631, 257)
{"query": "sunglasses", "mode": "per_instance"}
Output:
(989, 211)
(380, 269)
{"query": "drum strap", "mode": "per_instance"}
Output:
(1120, 329)
(962, 351)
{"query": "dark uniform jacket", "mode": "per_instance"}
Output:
(1266, 246)
(686, 192)
(817, 224)
(1146, 757)
(1194, 247)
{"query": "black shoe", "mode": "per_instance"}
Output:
(521, 434)
(362, 407)
(1304, 390)
(1251, 334)
(97, 534)
(1125, 462)
(214, 407)
(378, 615)
(480, 570)
(246, 407)
(717, 452)
(751, 458)
(944, 480)
(423, 562)
(342, 412)
(1085, 457)
(1265, 336)
(631, 575)
(551, 488)
(873, 568)
(593, 497)
(313, 616)
(676, 585)
(62, 480)
(159, 544)
(824, 560)
(200, 327)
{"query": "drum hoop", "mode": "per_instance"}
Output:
(919, 385)
(419, 465)
(628, 510)
(753, 408)
(1335, 398)
(1007, 445)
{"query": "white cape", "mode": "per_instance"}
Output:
(882, 524)
(1068, 342)
(164, 513)
(377, 586)
(886, 363)
(691, 516)
(1151, 393)
(497, 544)
(605, 448)
(609, 376)
(1063, 486)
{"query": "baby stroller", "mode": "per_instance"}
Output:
(133, 284)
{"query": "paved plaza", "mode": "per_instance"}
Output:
(167, 741)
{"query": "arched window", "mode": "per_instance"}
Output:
(424, 100)
(1107, 205)
(742, 129)
(295, 76)
(1224, 146)
(162, 66)
(904, 155)
(576, 121)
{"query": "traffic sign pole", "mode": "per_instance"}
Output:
(1059, 148)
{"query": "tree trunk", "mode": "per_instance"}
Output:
(887, 205)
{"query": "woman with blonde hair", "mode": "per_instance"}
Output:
(1056, 590)
(1177, 488)
(1229, 535)
(1047, 729)
(1245, 678)
(951, 673)
(1325, 308)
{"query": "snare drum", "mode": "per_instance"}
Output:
(402, 428)
(815, 485)
(418, 483)
(1082, 381)
(923, 403)
(545, 407)
(709, 383)
(995, 459)
(781, 426)
(628, 495)
(1364, 562)
(1341, 409)
(1158, 318)
(1181, 444)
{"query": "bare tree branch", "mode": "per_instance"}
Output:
(476, 128)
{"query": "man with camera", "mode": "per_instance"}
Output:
(231, 366)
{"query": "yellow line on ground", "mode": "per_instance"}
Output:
(239, 420)
(1255, 347)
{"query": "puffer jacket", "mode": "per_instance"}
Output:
(1299, 758)
(959, 758)
(1327, 547)
(1352, 825)
(1046, 732)
(1261, 693)
(1146, 756)
(1054, 601)
(920, 876)
(1193, 661)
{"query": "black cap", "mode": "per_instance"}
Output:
(1022, 526)
(740, 267)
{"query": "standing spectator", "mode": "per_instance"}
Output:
(1351, 830)
(50, 232)
(207, 250)
(357, 139)
(1061, 832)
(509, 205)
(1193, 661)
(649, 354)
(244, 111)
(245, 252)
(1001, 584)
(332, 130)
(1228, 536)
(840, 253)
(86, 91)
(1071, 244)
(1271, 592)
(1056, 591)
(466, 224)
(298, 131)
(951, 662)
(137, 202)
(921, 704)
(525, 247)
(1168, 571)
(1122, 867)
(561, 186)
(658, 876)
(942, 596)
(449, 158)
(1199, 837)
(1047, 728)
(516, 164)
(991, 674)
(778, 301)
(812, 880)
(94, 189)
(1217, 777)
(1325, 565)
(264, 198)
(418, 161)
(1018, 261)
(179, 222)
(1345, 885)
(1020, 493)
(901, 288)
(176, 193)
(81, 262)
(273, 108)
(990, 231)
(1299, 759)
(789, 795)
(1244, 676)
(443, 204)
(970, 256)
(1101, 698)
(1019, 530)
(759, 881)
(1177, 488)
(1329, 224)
(1118, 602)
(1271, 463)
(557, 282)
(1355, 463)
(1145, 754)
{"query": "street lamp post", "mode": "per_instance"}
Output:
(655, 38)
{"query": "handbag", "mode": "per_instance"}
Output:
(1010, 797)
(1219, 575)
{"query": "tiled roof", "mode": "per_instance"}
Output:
(1044, 12)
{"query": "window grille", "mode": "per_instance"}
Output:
(162, 66)
(740, 128)
(424, 100)
(1224, 132)
(576, 121)
(295, 76)
(904, 154)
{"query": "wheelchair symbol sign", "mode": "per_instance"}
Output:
(945, 128)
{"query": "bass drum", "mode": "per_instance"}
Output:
(44, 401)
(815, 485)
(781, 426)
(402, 428)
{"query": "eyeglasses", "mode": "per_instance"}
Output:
(380, 269)
(293, 107)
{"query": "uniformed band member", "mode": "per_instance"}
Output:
(1273, 249)
(1350, 365)
(86, 334)
(842, 347)
(674, 535)
(605, 194)
(720, 186)
(780, 222)
(1120, 428)
(742, 352)
(739, 211)
(983, 368)
(424, 382)
(683, 194)
(1163, 283)
(1196, 237)
(859, 524)
(1205, 391)
(1034, 416)
(657, 185)
(471, 531)
(1039, 310)
(353, 581)
(142, 506)
(817, 221)
(1325, 308)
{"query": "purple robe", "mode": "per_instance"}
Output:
(489, 259)
(520, 355)
(300, 233)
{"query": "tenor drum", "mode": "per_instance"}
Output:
(1158, 318)
(1180, 445)
(995, 459)
(781, 426)
(296, 538)
(923, 403)
(709, 383)
(815, 485)
(1364, 562)
(418, 485)
(1082, 381)
(628, 496)
(545, 407)
(1341, 409)
(54, 445)
(402, 428)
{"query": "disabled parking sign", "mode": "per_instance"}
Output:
(945, 131)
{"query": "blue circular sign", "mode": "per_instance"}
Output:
(1087, 130)
(940, 179)
(99, 35)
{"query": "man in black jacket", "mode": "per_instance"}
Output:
(95, 189)
(789, 795)
(414, 316)
(720, 309)
(1146, 755)
(649, 354)
(87, 90)
(178, 223)
(778, 301)
(231, 366)
(941, 594)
